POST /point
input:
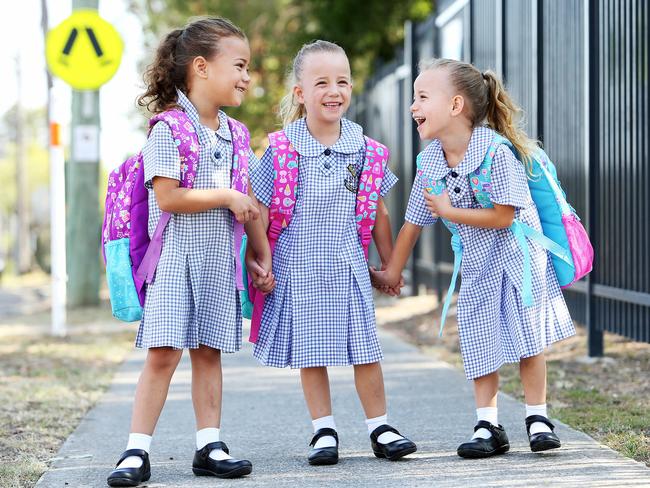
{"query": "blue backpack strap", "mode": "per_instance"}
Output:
(436, 187)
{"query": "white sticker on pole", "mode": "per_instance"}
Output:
(85, 144)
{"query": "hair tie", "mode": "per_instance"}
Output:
(485, 76)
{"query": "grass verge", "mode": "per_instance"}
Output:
(47, 385)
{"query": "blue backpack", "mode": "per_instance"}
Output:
(563, 235)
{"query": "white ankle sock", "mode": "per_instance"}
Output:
(136, 441)
(537, 427)
(324, 423)
(386, 437)
(489, 414)
(205, 437)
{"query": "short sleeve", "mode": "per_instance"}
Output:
(261, 178)
(509, 180)
(416, 211)
(388, 182)
(160, 155)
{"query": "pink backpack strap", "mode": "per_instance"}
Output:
(283, 202)
(369, 190)
(187, 141)
(240, 147)
(285, 168)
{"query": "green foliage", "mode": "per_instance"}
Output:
(277, 28)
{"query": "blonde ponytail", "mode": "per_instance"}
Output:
(506, 117)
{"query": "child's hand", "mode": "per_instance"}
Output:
(243, 207)
(259, 269)
(438, 205)
(385, 281)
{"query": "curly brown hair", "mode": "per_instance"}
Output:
(176, 51)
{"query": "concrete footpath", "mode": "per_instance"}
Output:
(266, 421)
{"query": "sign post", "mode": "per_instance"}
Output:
(84, 51)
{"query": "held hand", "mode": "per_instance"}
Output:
(243, 207)
(385, 282)
(259, 269)
(438, 205)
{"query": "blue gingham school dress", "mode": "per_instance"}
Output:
(493, 324)
(193, 298)
(321, 312)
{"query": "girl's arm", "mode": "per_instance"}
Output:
(174, 199)
(382, 233)
(499, 217)
(406, 239)
(259, 260)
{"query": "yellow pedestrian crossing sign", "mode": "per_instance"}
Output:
(84, 50)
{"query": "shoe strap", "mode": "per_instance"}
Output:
(141, 453)
(383, 429)
(209, 447)
(484, 424)
(324, 432)
(531, 419)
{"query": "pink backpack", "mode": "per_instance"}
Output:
(283, 201)
(131, 257)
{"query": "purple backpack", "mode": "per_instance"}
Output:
(131, 257)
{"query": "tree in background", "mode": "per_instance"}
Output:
(276, 29)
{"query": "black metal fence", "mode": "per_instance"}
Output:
(580, 70)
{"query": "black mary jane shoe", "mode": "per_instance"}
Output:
(542, 441)
(130, 476)
(393, 450)
(482, 448)
(323, 455)
(204, 465)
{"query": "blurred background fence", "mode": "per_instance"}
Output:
(579, 68)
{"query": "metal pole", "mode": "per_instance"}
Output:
(595, 341)
(57, 215)
(83, 210)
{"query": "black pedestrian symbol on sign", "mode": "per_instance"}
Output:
(74, 33)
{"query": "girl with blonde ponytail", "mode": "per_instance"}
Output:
(463, 110)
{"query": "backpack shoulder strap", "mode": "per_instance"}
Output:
(186, 139)
(240, 145)
(372, 174)
(285, 166)
(480, 180)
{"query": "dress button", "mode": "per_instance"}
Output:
(454, 174)
(457, 190)
(327, 152)
(217, 154)
(327, 165)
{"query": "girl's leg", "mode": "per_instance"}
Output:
(533, 378)
(206, 386)
(150, 396)
(369, 381)
(153, 385)
(316, 388)
(486, 389)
